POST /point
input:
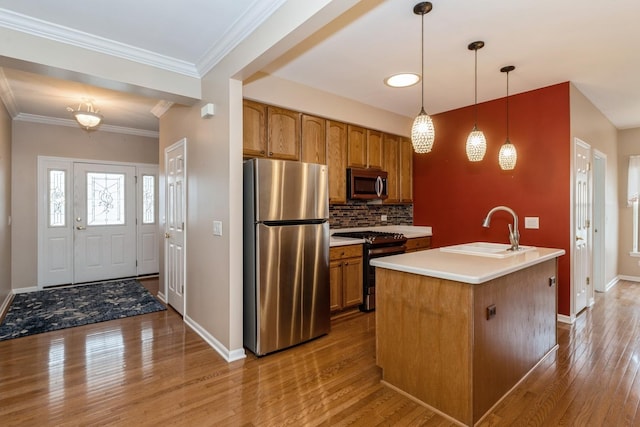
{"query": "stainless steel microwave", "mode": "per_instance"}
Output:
(366, 184)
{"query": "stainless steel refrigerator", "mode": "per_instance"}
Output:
(286, 254)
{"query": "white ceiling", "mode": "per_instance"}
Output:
(590, 43)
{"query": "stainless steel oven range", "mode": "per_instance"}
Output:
(377, 244)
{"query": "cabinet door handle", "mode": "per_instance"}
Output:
(261, 151)
(270, 153)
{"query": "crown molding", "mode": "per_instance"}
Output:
(256, 14)
(161, 107)
(34, 118)
(39, 28)
(6, 94)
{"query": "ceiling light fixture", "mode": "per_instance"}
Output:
(402, 80)
(508, 155)
(422, 132)
(88, 119)
(476, 142)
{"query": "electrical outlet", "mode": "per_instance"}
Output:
(491, 311)
(383, 218)
(532, 222)
(217, 228)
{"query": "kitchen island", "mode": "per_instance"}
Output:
(457, 332)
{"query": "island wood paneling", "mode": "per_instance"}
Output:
(424, 339)
(523, 331)
(435, 343)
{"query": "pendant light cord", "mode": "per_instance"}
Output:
(475, 119)
(508, 106)
(422, 61)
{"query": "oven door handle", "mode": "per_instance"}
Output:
(387, 250)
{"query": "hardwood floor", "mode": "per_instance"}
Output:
(152, 369)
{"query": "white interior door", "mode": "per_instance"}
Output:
(581, 256)
(104, 222)
(175, 233)
(599, 202)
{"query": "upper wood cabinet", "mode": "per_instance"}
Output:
(283, 134)
(374, 149)
(314, 139)
(357, 147)
(254, 130)
(337, 161)
(405, 171)
(270, 132)
(390, 163)
(365, 148)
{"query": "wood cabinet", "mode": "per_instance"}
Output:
(283, 134)
(278, 133)
(337, 161)
(374, 149)
(314, 139)
(270, 132)
(418, 244)
(364, 148)
(254, 130)
(390, 163)
(345, 276)
(357, 147)
(405, 171)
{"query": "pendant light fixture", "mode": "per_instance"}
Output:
(422, 132)
(89, 118)
(508, 155)
(476, 142)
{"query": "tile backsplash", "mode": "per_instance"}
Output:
(363, 214)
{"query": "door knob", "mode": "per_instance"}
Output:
(167, 235)
(579, 238)
(81, 227)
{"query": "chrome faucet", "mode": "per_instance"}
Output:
(514, 234)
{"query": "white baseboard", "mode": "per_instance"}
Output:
(25, 290)
(228, 355)
(628, 278)
(614, 282)
(161, 297)
(5, 304)
(566, 319)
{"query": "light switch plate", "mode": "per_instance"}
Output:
(217, 228)
(532, 222)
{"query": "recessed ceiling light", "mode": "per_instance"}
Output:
(402, 80)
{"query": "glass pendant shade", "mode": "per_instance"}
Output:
(422, 133)
(476, 145)
(87, 119)
(508, 156)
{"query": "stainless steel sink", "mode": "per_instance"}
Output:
(486, 249)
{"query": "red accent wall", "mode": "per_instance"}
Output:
(454, 195)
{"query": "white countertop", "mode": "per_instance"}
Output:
(409, 231)
(471, 269)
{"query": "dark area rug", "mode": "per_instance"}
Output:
(52, 309)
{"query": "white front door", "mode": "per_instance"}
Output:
(104, 222)
(175, 185)
(582, 204)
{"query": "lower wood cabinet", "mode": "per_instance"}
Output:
(345, 276)
(418, 244)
